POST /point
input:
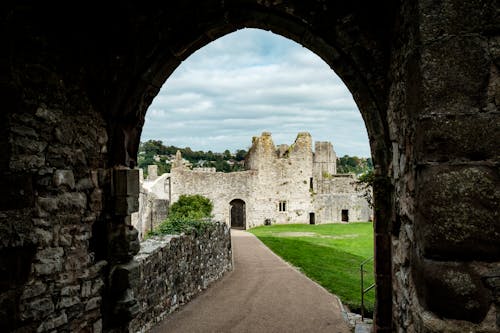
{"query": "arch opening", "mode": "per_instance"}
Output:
(367, 94)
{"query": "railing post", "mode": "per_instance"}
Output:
(363, 290)
(362, 294)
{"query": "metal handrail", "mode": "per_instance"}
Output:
(363, 290)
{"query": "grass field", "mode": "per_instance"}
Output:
(329, 254)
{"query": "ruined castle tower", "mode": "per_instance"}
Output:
(325, 160)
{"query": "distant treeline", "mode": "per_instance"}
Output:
(354, 164)
(155, 152)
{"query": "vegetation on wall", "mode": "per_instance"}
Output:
(364, 184)
(191, 213)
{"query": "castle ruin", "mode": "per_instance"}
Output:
(281, 184)
(75, 87)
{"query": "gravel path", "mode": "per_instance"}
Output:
(263, 294)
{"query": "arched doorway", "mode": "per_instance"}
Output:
(237, 214)
(358, 77)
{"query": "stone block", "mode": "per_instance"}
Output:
(126, 205)
(455, 73)
(42, 237)
(84, 184)
(442, 138)
(123, 243)
(124, 276)
(97, 326)
(47, 204)
(451, 17)
(86, 288)
(70, 290)
(126, 182)
(152, 172)
(64, 134)
(33, 290)
(93, 303)
(37, 309)
(451, 290)
(27, 146)
(52, 323)
(66, 302)
(457, 216)
(64, 177)
(27, 162)
(74, 201)
(95, 201)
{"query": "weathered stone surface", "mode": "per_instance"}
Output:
(124, 243)
(64, 177)
(124, 276)
(293, 185)
(174, 269)
(458, 212)
(452, 291)
(37, 309)
(456, 138)
(78, 103)
(53, 323)
(93, 303)
(34, 290)
(451, 84)
(450, 17)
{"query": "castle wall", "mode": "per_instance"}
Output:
(174, 269)
(219, 187)
(276, 188)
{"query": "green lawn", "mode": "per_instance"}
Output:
(329, 254)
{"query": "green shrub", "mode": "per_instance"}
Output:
(191, 213)
(191, 207)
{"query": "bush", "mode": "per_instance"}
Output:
(191, 213)
(191, 207)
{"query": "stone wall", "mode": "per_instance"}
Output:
(445, 230)
(174, 269)
(54, 188)
(154, 201)
(274, 174)
(424, 74)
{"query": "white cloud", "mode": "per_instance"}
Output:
(252, 81)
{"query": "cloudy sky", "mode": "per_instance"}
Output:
(252, 81)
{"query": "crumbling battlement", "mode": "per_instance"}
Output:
(281, 185)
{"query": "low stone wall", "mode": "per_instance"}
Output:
(174, 269)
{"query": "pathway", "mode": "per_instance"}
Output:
(263, 294)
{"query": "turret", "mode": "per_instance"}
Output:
(325, 160)
(262, 152)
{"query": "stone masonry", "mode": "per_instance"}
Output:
(174, 269)
(281, 185)
(75, 85)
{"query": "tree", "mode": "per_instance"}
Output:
(365, 185)
(240, 155)
(153, 147)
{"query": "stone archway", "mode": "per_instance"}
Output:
(237, 209)
(77, 82)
